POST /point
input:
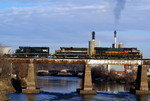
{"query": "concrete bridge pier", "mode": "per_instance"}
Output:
(141, 81)
(31, 85)
(87, 87)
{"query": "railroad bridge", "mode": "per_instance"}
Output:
(87, 87)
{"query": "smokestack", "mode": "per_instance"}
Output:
(115, 33)
(93, 35)
(115, 40)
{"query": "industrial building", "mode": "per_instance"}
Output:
(5, 50)
(97, 43)
(118, 69)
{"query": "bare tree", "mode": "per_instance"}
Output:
(4, 65)
(20, 69)
(1, 52)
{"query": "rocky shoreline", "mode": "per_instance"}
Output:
(5, 88)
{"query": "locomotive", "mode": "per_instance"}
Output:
(99, 53)
(117, 53)
(66, 52)
(32, 52)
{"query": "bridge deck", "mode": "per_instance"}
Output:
(80, 61)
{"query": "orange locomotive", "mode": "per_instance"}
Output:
(99, 52)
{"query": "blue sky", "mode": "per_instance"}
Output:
(56, 23)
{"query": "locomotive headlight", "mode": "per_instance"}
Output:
(45, 50)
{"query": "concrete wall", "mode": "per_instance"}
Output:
(91, 48)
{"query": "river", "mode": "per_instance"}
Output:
(64, 89)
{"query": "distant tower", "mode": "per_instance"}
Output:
(114, 45)
(91, 45)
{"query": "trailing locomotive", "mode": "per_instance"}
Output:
(32, 52)
(66, 52)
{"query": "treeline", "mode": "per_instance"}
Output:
(100, 73)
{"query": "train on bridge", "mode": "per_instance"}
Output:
(114, 52)
(74, 52)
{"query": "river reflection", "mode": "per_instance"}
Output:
(59, 84)
(142, 97)
(64, 89)
(30, 97)
(111, 87)
(87, 97)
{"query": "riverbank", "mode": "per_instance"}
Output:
(5, 88)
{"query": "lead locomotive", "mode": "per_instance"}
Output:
(32, 52)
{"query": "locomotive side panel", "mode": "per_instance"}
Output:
(118, 53)
(32, 51)
(66, 52)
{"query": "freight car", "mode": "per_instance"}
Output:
(32, 52)
(74, 52)
(117, 53)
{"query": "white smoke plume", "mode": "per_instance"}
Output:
(120, 5)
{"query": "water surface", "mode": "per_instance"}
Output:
(64, 89)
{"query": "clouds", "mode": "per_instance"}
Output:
(54, 17)
(97, 15)
(69, 22)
